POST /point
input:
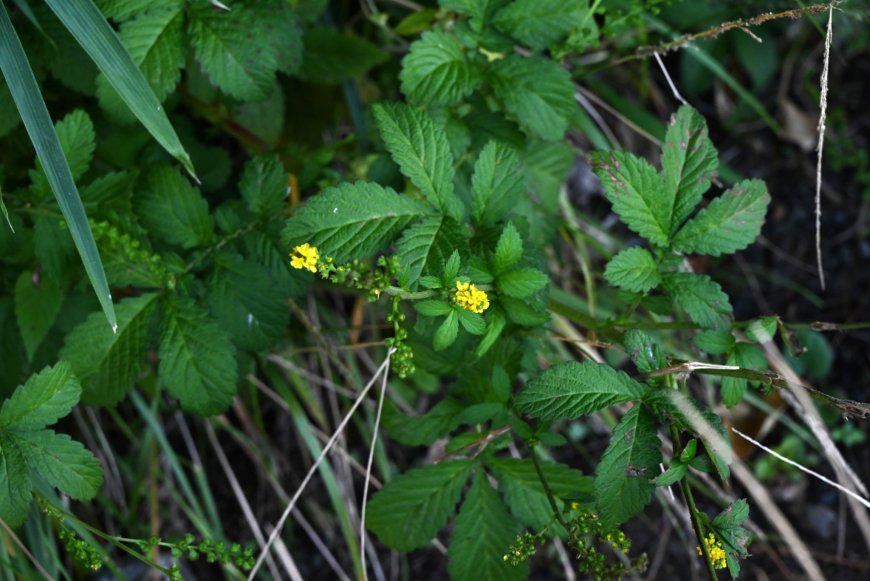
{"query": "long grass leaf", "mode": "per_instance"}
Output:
(28, 99)
(87, 24)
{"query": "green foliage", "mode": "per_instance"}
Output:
(437, 71)
(29, 451)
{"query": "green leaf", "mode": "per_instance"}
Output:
(197, 359)
(25, 92)
(762, 330)
(46, 397)
(633, 269)
(154, 40)
(508, 250)
(410, 510)
(477, 9)
(173, 210)
(353, 220)
(432, 308)
(247, 303)
(746, 356)
(522, 282)
(63, 463)
(76, 135)
(689, 162)
(524, 312)
(36, 307)
(715, 342)
(436, 72)
(332, 56)
(102, 44)
(497, 183)
(421, 150)
(423, 430)
(540, 24)
(264, 185)
(730, 223)
(15, 483)
(495, 324)
(108, 363)
(637, 193)
(223, 42)
(672, 475)
(446, 333)
(575, 389)
(623, 477)
(428, 244)
(646, 353)
(524, 494)
(121, 10)
(471, 322)
(537, 91)
(482, 535)
(699, 296)
(451, 267)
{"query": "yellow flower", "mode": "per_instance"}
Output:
(305, 256)
(469, 297)
(717, 553)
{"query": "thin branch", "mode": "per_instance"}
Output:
(823, 104)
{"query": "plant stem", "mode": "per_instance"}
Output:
(402, 293)
(547, 491)
(686, 489)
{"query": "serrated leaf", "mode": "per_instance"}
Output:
(633, 269)
(482, 535)
(36, 308)
(646, 353)
(524, 312)
(471, 322)
(173, 210)
(436, 72)
(524, 494)
(672, 475)
(701, 297)
(508, 250)
(409, 511)
(637, 193)
(537, 91)
(451, 267)
(107, 363)
(352, 220)
(522, 282)
(623, 477)
(425, 429)
(497, 183)
(197, 359)
(541, 23)
(478, 9)
(154, 41)
(421, 150)
(689, 162)
(46, 397)
(447, 331)
(223, 42)
(332, 56)
(63, 462)
(432, 308)
(15, 483)
(575, 389)
(428, 244)
(121, 10)
(263, 185)
(730, 223)
(495, 324)
(77, 140)
(715, 342)
(246, 301)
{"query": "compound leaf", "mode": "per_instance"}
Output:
(701, 297)
(46, 397)
(633, 269)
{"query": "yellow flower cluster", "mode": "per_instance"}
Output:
(619, 541)
(305, 256)
(717, 553)
(469, 297)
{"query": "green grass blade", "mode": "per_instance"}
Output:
(87, 24)
(28, 99)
